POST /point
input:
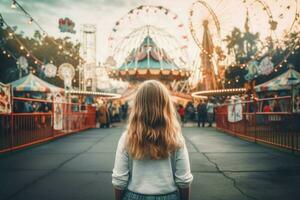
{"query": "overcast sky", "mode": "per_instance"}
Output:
(103, 13)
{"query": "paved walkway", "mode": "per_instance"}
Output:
(78, 167)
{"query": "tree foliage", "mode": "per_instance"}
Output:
(44, 48)
(244, 46)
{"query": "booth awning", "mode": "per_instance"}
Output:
(32, 83)
(281, 82)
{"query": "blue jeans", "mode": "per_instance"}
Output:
(128, 195)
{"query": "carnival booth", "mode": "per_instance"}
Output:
(284, 81)
(286, 84)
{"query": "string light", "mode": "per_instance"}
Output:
(30, 20)
(13, 4)
(21, 46)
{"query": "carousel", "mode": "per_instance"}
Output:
(149, 61)
(142, 50)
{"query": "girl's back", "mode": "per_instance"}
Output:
(152, 157)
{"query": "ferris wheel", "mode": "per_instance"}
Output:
(282, 18)
(130, 31)
(272, 23)
(222, 16)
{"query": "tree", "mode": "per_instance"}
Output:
(45, 49)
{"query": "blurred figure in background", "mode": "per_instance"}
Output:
(181, 113)
(189, 111)
(104, 116)
(210, 113)
(202, 112)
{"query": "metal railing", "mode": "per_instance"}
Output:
(280, 128)
(20, 129)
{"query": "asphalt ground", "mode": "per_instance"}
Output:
(78, 167)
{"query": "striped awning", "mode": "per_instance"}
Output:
(32, 83)
(281, 82)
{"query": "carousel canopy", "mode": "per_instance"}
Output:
(150, 61)
(32, 83)
(281, 82)
(148, 56)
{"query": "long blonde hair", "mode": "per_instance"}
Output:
(153, 129)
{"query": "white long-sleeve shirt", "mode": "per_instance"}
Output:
(151, 176)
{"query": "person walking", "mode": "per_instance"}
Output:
(181, 113)
(210, 113)
(103, 116)
(202, 113)
(152, 160)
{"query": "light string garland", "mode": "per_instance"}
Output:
(22, 47)
(8, 53)
(15, 5)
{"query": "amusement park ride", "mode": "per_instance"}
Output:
(142, 49)
(211, 23)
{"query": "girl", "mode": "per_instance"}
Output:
(152, 161)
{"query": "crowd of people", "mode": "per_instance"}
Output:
(110, 112)
(202, 113)
(28, 106)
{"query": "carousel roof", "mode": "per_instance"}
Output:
(32, 83)
(281, 82)
(150, 61)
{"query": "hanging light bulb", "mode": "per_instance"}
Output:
(4, 52)
(60, 47)
(13, 4)
(10, 34)
(8, 55)
(35, 62)
(30, 20)
(21, 47)
(27, 54)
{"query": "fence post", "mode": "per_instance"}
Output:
(255, 131)
(52, 118)
(11, 130)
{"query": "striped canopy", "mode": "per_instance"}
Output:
(32, 83)
(281, 82)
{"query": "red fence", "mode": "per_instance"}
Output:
(20, 129)
(280, 128)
